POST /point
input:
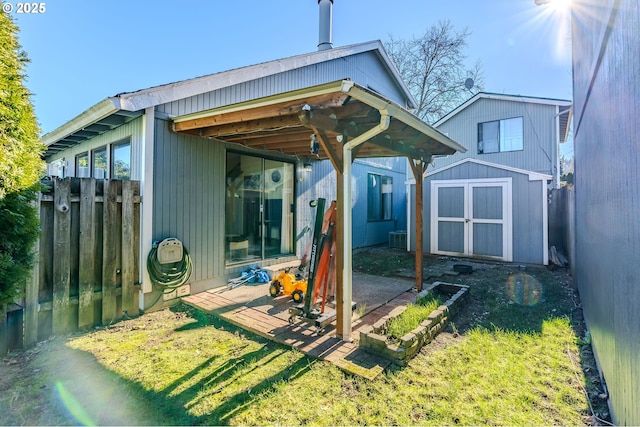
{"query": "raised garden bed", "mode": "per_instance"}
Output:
(374, 338)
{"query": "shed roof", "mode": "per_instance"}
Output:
(563, 104)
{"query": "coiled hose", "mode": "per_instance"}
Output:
(168, 277)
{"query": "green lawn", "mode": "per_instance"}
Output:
(183, 367)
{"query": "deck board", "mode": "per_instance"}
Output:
(269, 321)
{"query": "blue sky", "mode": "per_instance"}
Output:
(84, 51)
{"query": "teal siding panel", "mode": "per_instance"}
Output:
(320, 181)
(189, 198)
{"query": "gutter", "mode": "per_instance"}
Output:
(386, 110)
(99, 111)
(347, 215)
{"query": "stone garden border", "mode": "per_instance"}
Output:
(374, 340)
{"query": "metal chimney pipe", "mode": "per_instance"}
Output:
(325, 34)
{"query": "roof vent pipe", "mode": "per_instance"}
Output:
(325, 34)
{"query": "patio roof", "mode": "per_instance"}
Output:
(346, 121)
(334, 113)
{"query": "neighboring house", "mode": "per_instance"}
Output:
(225, 164)
(491, 201)
(606, 66)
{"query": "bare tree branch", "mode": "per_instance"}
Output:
(433, 67)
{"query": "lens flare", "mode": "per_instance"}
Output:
(73, 406)
(524, 289)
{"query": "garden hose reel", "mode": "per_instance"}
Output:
(169, 264)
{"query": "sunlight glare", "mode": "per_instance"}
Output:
(548, 22)
(74, 407)
(524, 289)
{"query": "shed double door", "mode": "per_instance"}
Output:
(472, 218)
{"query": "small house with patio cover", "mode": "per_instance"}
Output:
(228, 162)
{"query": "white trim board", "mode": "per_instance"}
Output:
(533, 176)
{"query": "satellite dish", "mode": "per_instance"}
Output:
(468, 83)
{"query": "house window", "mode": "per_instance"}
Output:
(379, 197)
(121, 161)
(500, 135)
(99, 162)
(82, 165)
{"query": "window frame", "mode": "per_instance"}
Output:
(480, 138)
(105, 149)
(77, 164)
(112, 158)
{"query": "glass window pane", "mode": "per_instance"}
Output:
(387, 197)
(121, 161)
(511, 134)
(99, 162)
(488, 134)
(82, 166)
(374, 197)
(278, 208)
(379, 197)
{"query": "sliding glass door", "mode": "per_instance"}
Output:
(259, 208)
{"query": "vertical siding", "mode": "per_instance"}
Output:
(527, 208)
(539, 153)
(321, 182)
(606, 59)
(131, 131)
(365, 69)
(189, 197)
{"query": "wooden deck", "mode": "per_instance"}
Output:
(269, 318)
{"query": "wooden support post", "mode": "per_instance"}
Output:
(419, 167)
(339, 254)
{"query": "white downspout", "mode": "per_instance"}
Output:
(347, 278)
(146, 190)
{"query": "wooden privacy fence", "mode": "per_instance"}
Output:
(87, 260)
(562, 221)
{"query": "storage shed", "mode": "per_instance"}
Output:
(485, 210)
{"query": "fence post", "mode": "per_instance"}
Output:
(128, 239)
(31, 293)
(62, 253)
(109, 259)
(86, 263)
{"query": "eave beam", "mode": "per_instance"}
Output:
(242, 115)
